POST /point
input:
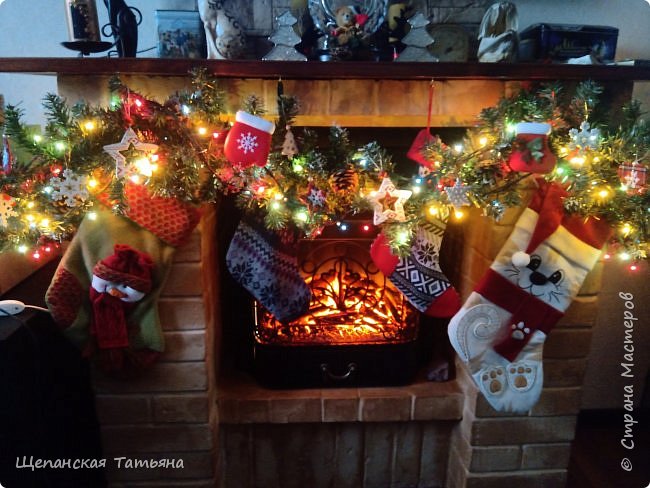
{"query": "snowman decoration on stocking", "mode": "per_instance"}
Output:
(118, 282)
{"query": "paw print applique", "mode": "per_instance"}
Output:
(519, 331)
(494, 380)
(521, 376)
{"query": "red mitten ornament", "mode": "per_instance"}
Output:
(249, 140)
(530, 151)
(416, 151)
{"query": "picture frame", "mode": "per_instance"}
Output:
(180, 34)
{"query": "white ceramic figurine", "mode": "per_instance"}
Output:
(223, 33)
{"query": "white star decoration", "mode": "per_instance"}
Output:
(457, 194)
(129, 139)
(388, 202)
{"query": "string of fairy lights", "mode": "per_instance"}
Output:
(51, 180)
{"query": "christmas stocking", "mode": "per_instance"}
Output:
(268, 268)
(418, 276)
(530, 151)
(105, 289)
(249, 140)
(504, 322)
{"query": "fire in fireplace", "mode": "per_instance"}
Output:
(359, 329)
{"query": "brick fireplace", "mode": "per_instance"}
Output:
(196, 405)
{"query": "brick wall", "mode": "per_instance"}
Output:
(167, 412)
(491, 449)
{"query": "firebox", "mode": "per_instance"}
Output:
(359, 330)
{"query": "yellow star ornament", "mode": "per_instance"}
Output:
(388, 202)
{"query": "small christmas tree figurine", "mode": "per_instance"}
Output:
(285, 40)
(417, 40)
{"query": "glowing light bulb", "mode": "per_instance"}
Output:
(559, 170)
(278, 196)
(276, 205)
(344, 227)
(366, 228)
(30, 218)
(135, 179)
(45, 223)
(626, 229)
(416, 189)
(483, 141)
(47, 190)
(433, 210)
(301, 216)
(624, 256)
(92, 215)
(261, 189)
(603, 193)
(577, 160)
(458, 148)
(59, 146)
(92, 183)
(138, 103)
(402, 237)
(633, 267)
(31, 205)
(89, 126)
(22, 249)
(38, 138)
(145, 167)
(202, 131)
(36, 255)
(607, 256)
(185, 109)
(459, 214)
(47, 249)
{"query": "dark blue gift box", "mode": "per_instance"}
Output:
(559, 42)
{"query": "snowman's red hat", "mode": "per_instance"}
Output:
(127, 266)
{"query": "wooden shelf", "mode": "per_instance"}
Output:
(315, 70)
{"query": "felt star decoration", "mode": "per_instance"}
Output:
(388, 202)
(129, 139)
(457, 194)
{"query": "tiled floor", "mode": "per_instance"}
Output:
(597, 454)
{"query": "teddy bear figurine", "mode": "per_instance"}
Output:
(349, 24)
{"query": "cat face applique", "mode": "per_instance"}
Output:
(538, 279)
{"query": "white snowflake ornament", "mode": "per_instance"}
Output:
(457, 194)
(6, 210)
(388, 202)
(70, 188)
(584, 139)
(316, 197)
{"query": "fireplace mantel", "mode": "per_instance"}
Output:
(324, 71)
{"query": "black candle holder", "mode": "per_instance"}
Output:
(86, 48)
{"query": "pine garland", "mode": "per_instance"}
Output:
(316, 186)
